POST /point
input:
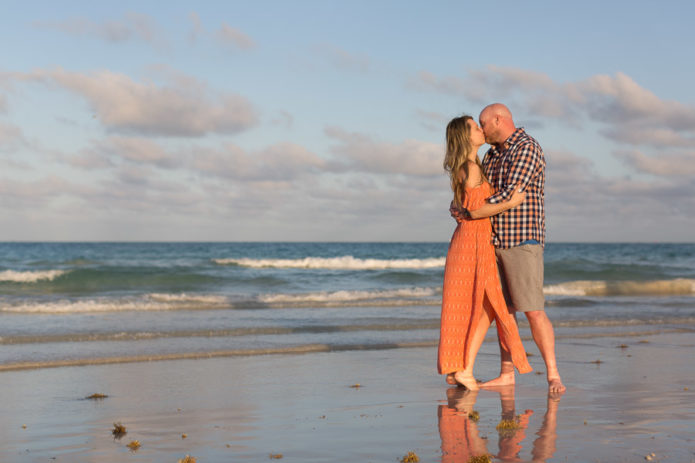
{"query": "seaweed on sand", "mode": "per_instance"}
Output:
(118, 430)
(134, 445)
(410, 457)
(508, 426)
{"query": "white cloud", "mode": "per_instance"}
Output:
(433, 121)
(647, 135)
(582, 205)
(196, 27)
(609, 98)
(361, 152)
(282, 162)
(132, 26)
(235, 38)
(630, 113)
(343, 59)
(16, 194)
(11, 138)
(139, 151)
(283, 119)
(449, 85)
(124, 105)
(666, 165)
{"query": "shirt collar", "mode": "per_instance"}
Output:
(511, 140)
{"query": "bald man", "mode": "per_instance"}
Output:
(516, 159)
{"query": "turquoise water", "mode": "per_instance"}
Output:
(80, 302)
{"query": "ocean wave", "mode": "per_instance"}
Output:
(211, 299)
(183, 301)
(429, 324)
(680, 286)
(337, 263)
(149, 302)
(349, 296)
(13, 276)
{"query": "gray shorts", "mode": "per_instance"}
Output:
(521, 274)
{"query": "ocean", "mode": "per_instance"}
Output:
(89, 303)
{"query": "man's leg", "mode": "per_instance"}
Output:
(544, 337)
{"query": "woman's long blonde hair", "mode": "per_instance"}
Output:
(458, 148)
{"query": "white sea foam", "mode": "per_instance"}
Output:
(150, 302)
(348, 296)
(188, 298)
(680, 286)
(337, 263)
(13, 276)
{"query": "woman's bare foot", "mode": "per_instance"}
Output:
(504, 379)
(466, 380)
(555, 385)
(450, 379)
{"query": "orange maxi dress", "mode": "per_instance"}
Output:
(470, 275)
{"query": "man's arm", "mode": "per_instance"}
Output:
(487, 210)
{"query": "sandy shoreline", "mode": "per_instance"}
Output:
(638, 400)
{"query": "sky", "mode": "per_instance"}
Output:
(325, 120)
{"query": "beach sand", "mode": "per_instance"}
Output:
(637, 404)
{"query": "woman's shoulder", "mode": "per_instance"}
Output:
(475, 175)
(477, 186)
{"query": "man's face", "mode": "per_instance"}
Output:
(489, 124)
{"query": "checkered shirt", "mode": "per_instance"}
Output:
(521, 163)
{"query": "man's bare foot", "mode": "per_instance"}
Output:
(555, 385)
(504, 379)
(450, 379)
(466, 380)
(554, 397)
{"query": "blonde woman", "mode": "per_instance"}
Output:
(472, 295)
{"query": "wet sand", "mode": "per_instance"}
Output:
(637, 402)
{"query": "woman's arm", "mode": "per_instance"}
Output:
(487, 209)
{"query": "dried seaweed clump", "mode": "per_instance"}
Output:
(410, 457)
(480, 459)
(275, 456)
(474, 416)
(506, 426)
(187, 459)
(118, 430)
(96, 396)
(134, 445)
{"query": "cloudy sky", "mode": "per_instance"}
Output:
(324, 120)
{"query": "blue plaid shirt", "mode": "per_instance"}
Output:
(520, 163)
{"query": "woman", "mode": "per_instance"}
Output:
(472, 295)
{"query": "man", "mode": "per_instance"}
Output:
(516, 160)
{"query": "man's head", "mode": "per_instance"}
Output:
(497, 123)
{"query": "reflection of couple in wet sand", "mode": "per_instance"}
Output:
(461, 439)
(495, 258)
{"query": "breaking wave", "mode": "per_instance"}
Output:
(680, 286)
(13, 276)
(337, 263)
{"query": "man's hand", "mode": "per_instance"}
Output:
(518, 196)
(458, 213)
